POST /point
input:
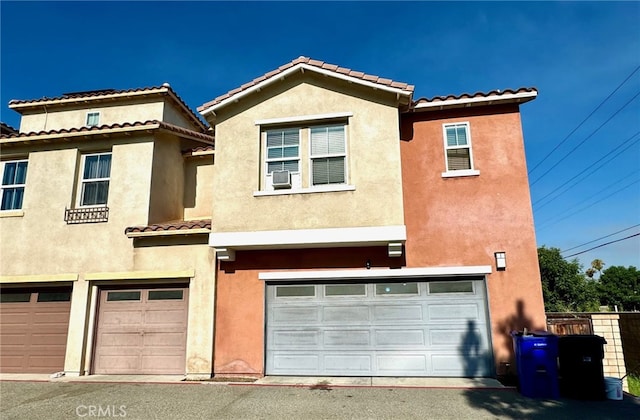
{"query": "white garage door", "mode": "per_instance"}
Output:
(426, 328)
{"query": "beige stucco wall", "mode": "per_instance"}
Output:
(373, 159)
(198, 187)
(54, 118)
(37, 244)
(172, 115)
(167, 181)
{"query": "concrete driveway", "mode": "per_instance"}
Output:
(72, 400)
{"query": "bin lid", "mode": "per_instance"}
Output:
(533, 333)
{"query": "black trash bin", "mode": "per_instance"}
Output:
(537, 364)
(580, 367)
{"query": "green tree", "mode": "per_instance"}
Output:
(620, 286)
(564, 286)
(596, 267)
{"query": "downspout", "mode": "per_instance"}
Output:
(46, 116)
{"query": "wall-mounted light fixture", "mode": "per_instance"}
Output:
(501, 260)
(368, 264)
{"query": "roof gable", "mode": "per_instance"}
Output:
(302, 64)
(111, 95)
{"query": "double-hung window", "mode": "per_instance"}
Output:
(96, 170)
(14, 174)
(457, 142)
(283, 152)
(328, 155)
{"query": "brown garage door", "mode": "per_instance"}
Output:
(142, 331)
(33, 329)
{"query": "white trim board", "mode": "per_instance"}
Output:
(488, 99)
(383, 273)
(303, 118)
(309, 238)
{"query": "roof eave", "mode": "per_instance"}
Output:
(519, 98)
(301, 66)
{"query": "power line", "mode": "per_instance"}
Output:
(586, 138)
(603, 237)
(583, 121)
(558, 218)
(600, 246)
(589, 167)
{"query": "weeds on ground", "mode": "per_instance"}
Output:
(634, 384)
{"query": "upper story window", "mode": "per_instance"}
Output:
(283, 154)
(93, 119)
(328, 155)
(457, 145)
(96, 170)
(14, 174)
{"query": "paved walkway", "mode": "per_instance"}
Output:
(303, 381)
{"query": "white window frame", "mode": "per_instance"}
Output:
(328, 155)
(90, 114)
(295, 175)
(82, 181)
(11, 186)
(459, 172)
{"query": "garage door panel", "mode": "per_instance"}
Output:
(10, 341)
(395, 313)
(297, 362)
(403, 337)
(120, 317)
(453, 312)
(142, 335)
(296, 315)
(295, 339)
(401, 364)
(391, 329)
(348, 364)
(50, 339)
(346, 314)
(163, 339)
(341, 338)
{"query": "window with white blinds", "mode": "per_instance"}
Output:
(328, 155)
(457, 144)
(283, 150)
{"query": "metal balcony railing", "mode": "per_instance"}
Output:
(86, 215)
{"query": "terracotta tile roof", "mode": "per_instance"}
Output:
(169, 226)
(315, 63)
(7, 129)
(106, 93)
(89, 130)
(200, 150)
(474, 95)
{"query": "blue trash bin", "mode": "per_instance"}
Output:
(537, 364)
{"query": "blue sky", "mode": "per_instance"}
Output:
(575, 53)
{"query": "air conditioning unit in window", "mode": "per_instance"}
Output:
(280, 179)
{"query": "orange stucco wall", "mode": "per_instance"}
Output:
(240, 302)
(464, 220)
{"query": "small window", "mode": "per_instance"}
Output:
(396, 289)
(93, 119)
(457, 147)
(54, 296)
(10, 296)
(345, 290)
(450, 287)
(14, 175)
(295, 291)
(122, 296)
(96, 170)
(165, 294)
(328, 155)
(283, 150)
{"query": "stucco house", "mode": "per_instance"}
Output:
(106, 211)
(363, 233)
(345, 229)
